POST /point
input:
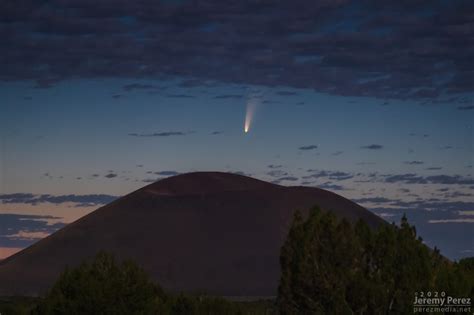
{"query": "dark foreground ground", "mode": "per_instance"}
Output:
(25, 305)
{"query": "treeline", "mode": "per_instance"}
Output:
(330, 266)
(108, 287)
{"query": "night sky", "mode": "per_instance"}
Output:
(372, 101)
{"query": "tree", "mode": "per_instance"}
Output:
(329, 266)
(103, 287)
(312, 275)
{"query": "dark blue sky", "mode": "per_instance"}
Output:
(374, 102)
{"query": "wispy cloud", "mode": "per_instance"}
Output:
(451, 221)
(138, 86)
(228, 96)
(167, 173)
(19, 230)
(372, 147)
(286, 93)
(308, 147)
(333, 175)
(85, 200)
(180, 96)
(160, 134)
(413, 162)
(467, 107)
(149, 180)
(435, 179)
(277, 173)
(329, 186)
(273, 166)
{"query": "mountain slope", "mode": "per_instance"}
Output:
(210, 232)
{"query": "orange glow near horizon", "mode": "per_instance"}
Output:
(6, 252)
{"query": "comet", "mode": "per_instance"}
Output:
(250, 114)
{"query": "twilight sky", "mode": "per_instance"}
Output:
(373, 102)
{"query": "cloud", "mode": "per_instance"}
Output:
(45, 83)
(366, 163)
(414, 162)
(337, 153)
(19, 230)
(138, 86)
(431, 204)
(167, 173)
(385, 215)
(457, 194)
(450, 180)
(228, 96)
(466, 213)
(273, 166)
(180, 96)
(379, 53)
(285, 178)
(439, 223)
(240, 173)
(308, 147)
(406, 178)
(277, 173)
(110, 175)
(270, 102)
(433, 168)
(190, 83)
(372, 147)
(377, 200)
(332, 175)
(468, 107)
(83, 200)
(215, 133)
(331, 186)
(160, 134)
(286, 93)
(451, 221)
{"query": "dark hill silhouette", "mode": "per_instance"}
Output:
(211, 232)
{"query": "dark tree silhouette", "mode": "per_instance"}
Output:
(329, 266)
(103, 287)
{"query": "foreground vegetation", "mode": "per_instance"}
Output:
(108, 287)
(328, 266)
